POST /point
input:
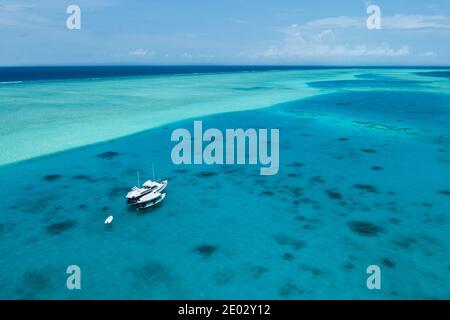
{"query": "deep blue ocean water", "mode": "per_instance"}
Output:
(364, 179)
(31, 73)
(74, 72)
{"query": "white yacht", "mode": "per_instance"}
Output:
(148, 187)
(149, 200)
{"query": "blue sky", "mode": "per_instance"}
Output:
(414, 32)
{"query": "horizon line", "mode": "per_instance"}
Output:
(229, 65)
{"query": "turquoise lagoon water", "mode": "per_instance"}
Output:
(364, 179)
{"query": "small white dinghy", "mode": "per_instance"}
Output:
(109, 220)
(149, 200)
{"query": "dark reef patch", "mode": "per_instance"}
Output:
(308, 227)
(296, 191)
(34, 282)
(60, 227)
(258, 271)
(314, 270)
(52, 177)
(369, 150)
(288, 257)
(333, 194)
(317, 272)
(342, 139)
(365, 228)
(206, 174)
(377, 168)
(348, 266)
(297, 244)
(6, 227)
(405, 242)
(206, 250)
(153, 273)
(394, 220)
(288, 289)
(84, 177)
(58, 208)
(108, 155)
(388, 263)
(316, 179)
(307, 200)
(260, 181)
(366, 187)
(284, 240)
(445, 192)
(266, 193)
(180, 170)
(295, 164)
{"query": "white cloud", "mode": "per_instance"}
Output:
(237, 21)
(298, 45)
(398, 21)
(140, 53)
(337, 22)
(193, 56)
(402, 21)
(14, 7)
(324, 34)
(13, 15)
(428, 54)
